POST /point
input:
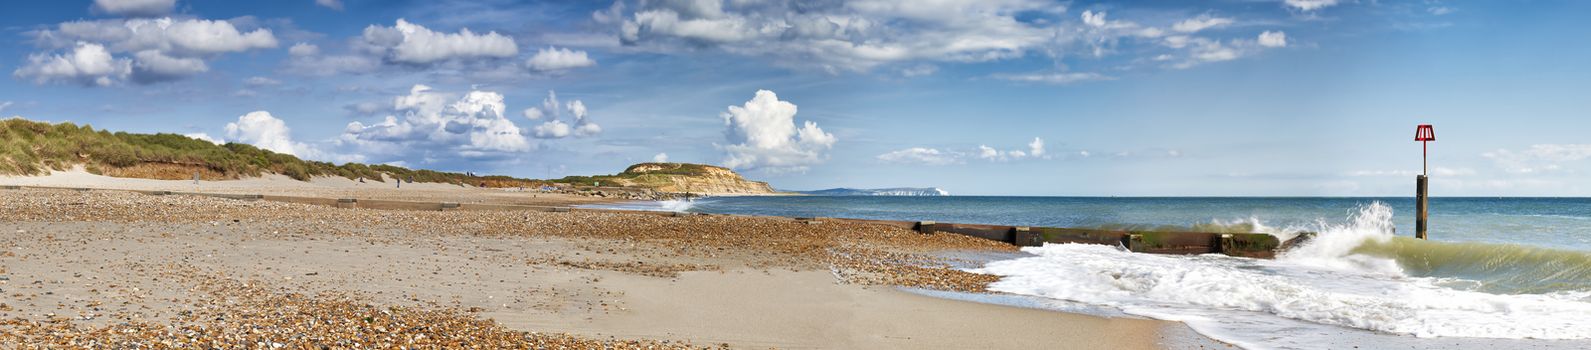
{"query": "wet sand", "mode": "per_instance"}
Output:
(121, 268)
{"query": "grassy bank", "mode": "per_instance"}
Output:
(34, 148)
(653, 175)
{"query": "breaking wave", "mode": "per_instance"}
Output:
(1356, 274)
(677, 205)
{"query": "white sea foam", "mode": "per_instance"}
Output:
(1307, 292)
(676, 205)
(673, 205)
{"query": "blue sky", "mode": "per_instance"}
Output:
(1002, 97)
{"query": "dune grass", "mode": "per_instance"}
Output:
(656, 175)
(34, 148)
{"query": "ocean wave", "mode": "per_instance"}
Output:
(1497, 268)
(676, 205)
(1355, 274)
(672, 205)
(1252, 224)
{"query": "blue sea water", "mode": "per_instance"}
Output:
(1496, 273)
(1547, 222)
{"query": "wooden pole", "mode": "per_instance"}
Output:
(1421, 208)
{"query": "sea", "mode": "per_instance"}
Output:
(1495, 273)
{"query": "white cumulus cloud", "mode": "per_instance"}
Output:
(410, 43)
(986, 152)
(579, 125)
(552, 129)
(176, 37)
(836, 35)
(261, 129)
(158, 49)
(1310, 5)
(553, 59)
(583, 126)
(660, 158)
(1035, 150)
(763, 135)
(909, 38)
(463, 55)
(1273, 39)
(87, 63)
(1094, 19)
(439, 124)
(146, 8)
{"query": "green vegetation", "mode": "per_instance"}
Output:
(649, 175)
(670, 169)
(609, 180)
(32, 148)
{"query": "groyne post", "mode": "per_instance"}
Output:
(1425, 134)
(1421, 207)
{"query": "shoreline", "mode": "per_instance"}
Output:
(626, 282)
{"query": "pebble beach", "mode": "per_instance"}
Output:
(119, 269)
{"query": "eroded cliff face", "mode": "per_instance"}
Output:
(691, 178)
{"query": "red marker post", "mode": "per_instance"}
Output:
(1425, 134)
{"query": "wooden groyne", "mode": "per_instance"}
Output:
(1252, 245)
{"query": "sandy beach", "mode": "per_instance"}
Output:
(322, 187)
(107, 268)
